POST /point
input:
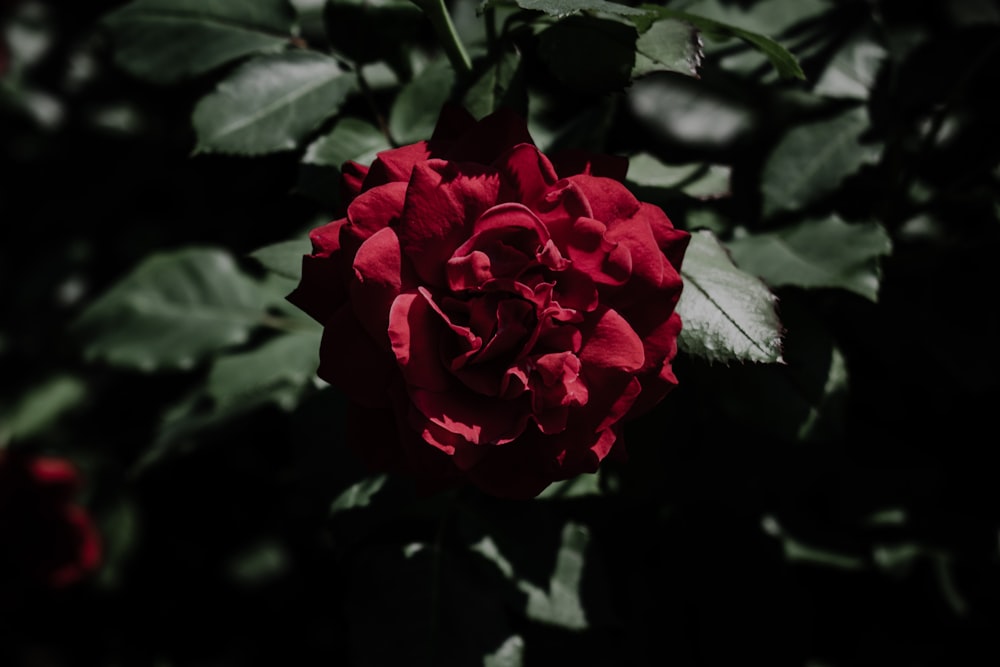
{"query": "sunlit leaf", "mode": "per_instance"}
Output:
(728, 314)
(279, 369)
(852, 71)
(817, 253)
(167, 40)
(668, 46)
(701, 181)
(271, 103)
(172, 311)
(783, 61)
(811, 160)
(351, 139)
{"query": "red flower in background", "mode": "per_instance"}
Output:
(45, 538)
(493, 315)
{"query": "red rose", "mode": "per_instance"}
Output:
(44, 537)
(493, 316)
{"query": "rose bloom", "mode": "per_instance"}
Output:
(45, 538)
(493, 315)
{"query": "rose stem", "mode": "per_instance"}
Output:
(445, 29)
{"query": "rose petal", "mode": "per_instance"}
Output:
(481, 420)
(491, 137)
(610, 343)
(351, 361)
(395, 164)
(414, 333)
(352, 177)
(443, 200)
(370, 212)
(322, 287)
(526, 175)
(609, 200)
(673, 242)
(378, 280)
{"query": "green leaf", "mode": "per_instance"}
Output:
(351, 139)
(167, 40)
(668, 46)
(358, 495)
(510, 654)
(562, 8)
(817, 253)
(418, 105)
(492, 88)
(284, 258)
(727, 314)
(41, 406)
(589, 54)
(560, 604)
(580, 486)
(172, 311)
(279, 370)
(812, 160)
(783, 61)
(852, 71)
(271, 103)
(701, 181)
(804, 400)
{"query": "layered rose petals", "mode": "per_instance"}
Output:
(506, 314)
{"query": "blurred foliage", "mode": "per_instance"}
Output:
(838, 162)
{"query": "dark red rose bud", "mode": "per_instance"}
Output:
(507, 312)
(45, 538)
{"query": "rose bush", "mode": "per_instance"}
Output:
(45, 537)
(493, 316)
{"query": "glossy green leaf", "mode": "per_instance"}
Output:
(701, 181)
(781, 59)
(417, 107)
(168, 40)
(493, 87)
(351, 139)
(668, 46)
(271, 103)
(589, 54)
(563, 8)
(284, 258)
(817, 253)
(280, 369)
(812, 160)
(728, 314)
(172, 311)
